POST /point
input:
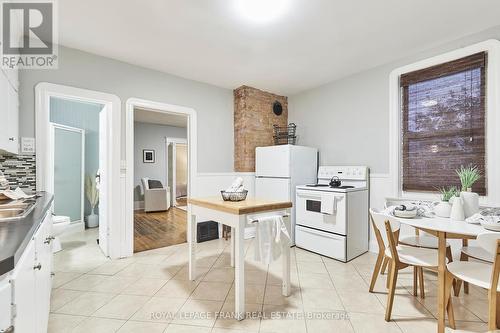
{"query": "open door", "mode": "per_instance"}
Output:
(103, 183)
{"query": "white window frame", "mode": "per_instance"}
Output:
(492, 116)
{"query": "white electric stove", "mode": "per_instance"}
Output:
(333, 221)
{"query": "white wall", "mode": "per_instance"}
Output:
(214, 105)
(152, 136)
(348, 119)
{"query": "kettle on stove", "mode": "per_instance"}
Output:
(335, 182)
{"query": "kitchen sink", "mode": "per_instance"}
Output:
(15, 210)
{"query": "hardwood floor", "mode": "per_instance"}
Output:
(182, 201)
(159, 229)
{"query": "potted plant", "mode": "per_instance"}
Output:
(443, 208)
(468, 176)
(92, 193)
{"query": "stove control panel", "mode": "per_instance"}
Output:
(343, 172)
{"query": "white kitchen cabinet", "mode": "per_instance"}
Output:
(31, 282)
(9, 112)
(23, 284)
(43, 281)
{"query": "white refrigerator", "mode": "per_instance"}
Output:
(279, 169)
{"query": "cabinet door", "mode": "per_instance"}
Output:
(24, 291)
(4, 108)
(43, 246)
(12, 120)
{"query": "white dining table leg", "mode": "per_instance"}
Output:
(191, 235)
(233, 236)
(239, 270)
(286, 268)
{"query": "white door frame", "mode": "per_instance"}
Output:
(173, 186)
(51, 154)
(128, 237)
(112, 107)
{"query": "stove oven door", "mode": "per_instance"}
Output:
(322, 210)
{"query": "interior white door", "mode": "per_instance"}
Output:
(277, 189)
(103, 183)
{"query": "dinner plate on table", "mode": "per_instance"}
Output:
(492, 226)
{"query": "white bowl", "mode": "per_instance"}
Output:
(407, 214)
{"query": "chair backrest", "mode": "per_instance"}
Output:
(378, 219)
(488, 241)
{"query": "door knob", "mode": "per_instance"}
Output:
(39, 266)
(49, 239)
(9, 329)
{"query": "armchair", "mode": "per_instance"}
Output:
(156, 196)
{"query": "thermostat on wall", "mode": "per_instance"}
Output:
(27, 145)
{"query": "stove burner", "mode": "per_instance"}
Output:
(343, 187)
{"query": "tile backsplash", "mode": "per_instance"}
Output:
(20, 170)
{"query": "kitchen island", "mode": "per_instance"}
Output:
(237, 215)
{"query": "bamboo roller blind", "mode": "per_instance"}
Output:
(443, 123)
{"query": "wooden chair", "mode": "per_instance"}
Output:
(483, 274)
(474, 252)
(418, 240)
(383, 260)
(400, 257)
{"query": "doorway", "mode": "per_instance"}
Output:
(177, 156)
(160, 179)
(64, 117)
(158, 225)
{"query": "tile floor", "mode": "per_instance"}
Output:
(150, 292)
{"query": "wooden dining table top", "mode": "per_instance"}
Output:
(247, 206)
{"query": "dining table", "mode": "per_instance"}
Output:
(443, 229)
(238, 215)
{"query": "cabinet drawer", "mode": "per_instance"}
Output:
(324, 243)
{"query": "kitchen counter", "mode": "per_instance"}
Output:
(16, 234)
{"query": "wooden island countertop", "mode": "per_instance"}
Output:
(248, 206)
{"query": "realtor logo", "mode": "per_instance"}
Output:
(29, 34)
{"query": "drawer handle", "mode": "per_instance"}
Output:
(49, 239)
(11, 139)
(39, 266)
(9, 329)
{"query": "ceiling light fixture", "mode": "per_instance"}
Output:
(261, 11)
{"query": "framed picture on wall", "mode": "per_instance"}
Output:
(148, 156)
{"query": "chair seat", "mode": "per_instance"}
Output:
(416, 256)
(476, 273)
(477, 252)
(429, 242)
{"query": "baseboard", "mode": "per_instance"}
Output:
(75, 226)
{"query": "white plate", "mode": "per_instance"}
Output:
(491, 226)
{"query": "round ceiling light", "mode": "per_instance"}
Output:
(261, 11)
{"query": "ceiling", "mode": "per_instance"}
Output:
(160, 118)
(312, 43)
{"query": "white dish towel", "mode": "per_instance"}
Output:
(270, 232)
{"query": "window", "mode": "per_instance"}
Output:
(443, 123)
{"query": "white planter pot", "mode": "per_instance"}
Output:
(457, 209)
(471, 203)
(92, 221)
(443, 209)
